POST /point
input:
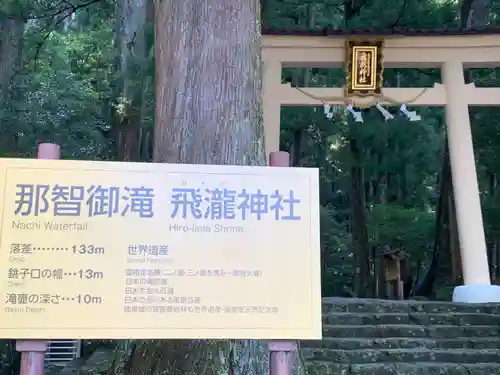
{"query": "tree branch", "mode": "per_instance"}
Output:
(356, 9)
(70, 7)
(400, 16)
(63, 14)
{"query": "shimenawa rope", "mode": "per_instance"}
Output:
(360, 104)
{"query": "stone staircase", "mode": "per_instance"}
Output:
(377, 337)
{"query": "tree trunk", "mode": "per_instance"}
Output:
(11, 30)
(11, 34)
(208, 105)
(475, 13)
(306, 78)
(208, 111)
(362, 287)
(362, 277)
(132, 45)
(492, 240)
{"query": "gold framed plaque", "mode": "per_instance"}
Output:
(364, 68)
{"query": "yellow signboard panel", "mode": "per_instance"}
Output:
(132, 250)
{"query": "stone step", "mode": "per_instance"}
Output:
(358, 305)
(100, 362)
(72, 367)
(404, 330)
(341, 343)
(422, 368)
(427, 319)
(402, 355)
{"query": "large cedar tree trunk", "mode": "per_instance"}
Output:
(208, 96)
(208, 111)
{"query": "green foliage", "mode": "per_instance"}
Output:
(9, 358)
(64, 92)
(491, 212)
(408, 229)
(337, 261)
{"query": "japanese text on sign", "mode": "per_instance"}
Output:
(97, 200)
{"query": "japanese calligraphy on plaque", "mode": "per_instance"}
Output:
(364, 68)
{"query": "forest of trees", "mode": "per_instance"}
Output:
(127, 80)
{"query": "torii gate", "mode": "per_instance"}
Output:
(452, 53)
